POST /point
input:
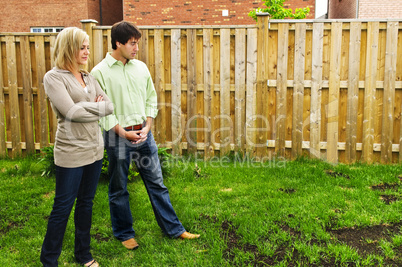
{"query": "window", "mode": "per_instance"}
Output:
(46, 29)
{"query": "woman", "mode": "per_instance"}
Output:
(78, 102)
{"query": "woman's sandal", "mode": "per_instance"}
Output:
(94, 263)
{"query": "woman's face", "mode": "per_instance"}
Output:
(82, 57)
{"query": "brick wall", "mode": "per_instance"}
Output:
(112, 11)
(367, 9)
(342, 9)
(195, 12)
(20, 15)
(371, 9)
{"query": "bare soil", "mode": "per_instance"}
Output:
(365, 241)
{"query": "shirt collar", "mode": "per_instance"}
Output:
(67, 71)
(111, 60)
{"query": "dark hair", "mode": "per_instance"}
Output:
(123, 31)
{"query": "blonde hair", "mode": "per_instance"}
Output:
(67, 46)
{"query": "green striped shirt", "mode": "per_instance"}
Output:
(130, 88)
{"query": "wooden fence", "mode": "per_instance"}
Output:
(330, 89)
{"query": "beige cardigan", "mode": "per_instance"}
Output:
(79, 139)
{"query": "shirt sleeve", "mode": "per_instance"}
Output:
(151, 105)
(107, 122)
(63, 103)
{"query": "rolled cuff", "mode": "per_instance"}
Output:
(151, 112)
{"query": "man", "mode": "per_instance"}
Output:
(127, 135)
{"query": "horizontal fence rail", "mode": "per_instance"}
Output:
(328, 89)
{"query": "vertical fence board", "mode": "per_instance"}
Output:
(353, 91)
(369, 90)
(143, 54)
(208, 36)
(151, 66)
(343, 92)
(3, 147)
(272, 74)
(13, 96)
(176, 92)
(98, 46)
(316, 86)
(225, 121)
(27, 93)
(283, 31)
(200, 92)
(87, 26)
(333, 93)
(109, 41)
(52, 115)
(389, 92)
(41, 70)
(191, 128)
(240, 89)
(262, 124)
(159, 80)
(298, 90)
(251, 84)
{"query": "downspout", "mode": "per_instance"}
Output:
(327, 10)
(357, 9)
(100, 12)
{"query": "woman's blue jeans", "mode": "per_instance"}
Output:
(121, 153)
(71, 184)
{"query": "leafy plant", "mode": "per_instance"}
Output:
(276, 10)
(165, 159)
(132, 171)
(46, 159)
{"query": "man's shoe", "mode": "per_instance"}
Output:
(130, 244)
(187, 235)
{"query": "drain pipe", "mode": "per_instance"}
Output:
(357, 9)
(100, 11)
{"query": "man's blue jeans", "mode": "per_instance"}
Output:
(71, 183)
(121, 153)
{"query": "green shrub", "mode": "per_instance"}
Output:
(277, 11)
(46, 159)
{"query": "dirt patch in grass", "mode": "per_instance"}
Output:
(283, 252)
(386, 186)
(336, 174)
(9, 226)
(233, 242)
(365, 241)
(388, 198)
(101, 238)
(287, 190)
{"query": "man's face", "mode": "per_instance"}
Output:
(130, 49)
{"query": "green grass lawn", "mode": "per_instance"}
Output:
(294, 213)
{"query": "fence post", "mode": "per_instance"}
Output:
(87, 25)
